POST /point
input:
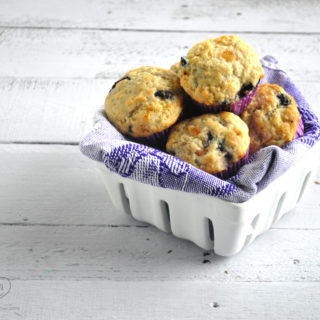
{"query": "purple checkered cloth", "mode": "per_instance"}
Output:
(147, 165)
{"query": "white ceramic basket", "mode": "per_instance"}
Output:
(209, 222)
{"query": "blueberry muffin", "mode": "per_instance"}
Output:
(220, 72)
(214, 143)
(145, 102)
(272, 117)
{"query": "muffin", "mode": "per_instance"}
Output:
(215, 143)
(220, 74)
(145, 103)
(272, 117)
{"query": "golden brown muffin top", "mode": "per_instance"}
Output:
(145, 101)
(210, 142)
(220, 71)
(272, 117)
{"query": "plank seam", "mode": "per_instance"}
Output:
(99, 78)
(68, 143)
(311, 33)
(108, 279)
(22, 224)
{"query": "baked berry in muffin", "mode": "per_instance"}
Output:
(145, 103)
(214, 143)
(218, 74)
(272, 117)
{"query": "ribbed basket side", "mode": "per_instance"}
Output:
(212, 223)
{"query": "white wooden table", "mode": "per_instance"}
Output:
(65, 252)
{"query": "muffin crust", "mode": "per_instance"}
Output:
(145, 101)
(272, 117)
(210, 142)
(219, 71)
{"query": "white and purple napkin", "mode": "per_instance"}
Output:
(147, 165)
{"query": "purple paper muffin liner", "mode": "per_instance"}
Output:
(237, 107)
(156, 140)
(233, 170)
(300, 129)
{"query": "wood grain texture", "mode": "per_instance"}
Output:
(125, 254)
(56, 185)
(226, 16)
(53, 185)
(100, 300)
(103, 54)
(48, 110)
(65, 250)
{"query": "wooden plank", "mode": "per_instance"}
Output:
(104, 54)
(48, 110)
(231, 15)
(53, 185)
(102, 300)
(57, 185)
(125, 254)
